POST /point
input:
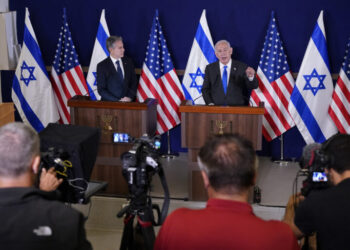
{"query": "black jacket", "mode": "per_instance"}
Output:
(109, 86)
(238, 88)
(31, 220)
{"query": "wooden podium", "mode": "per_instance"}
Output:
(132, 118)
(199, 122)
(6, 113)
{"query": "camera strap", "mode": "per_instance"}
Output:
(166, 202)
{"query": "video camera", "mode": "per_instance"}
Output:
(139, 164)
(58, 159)
(72, 189)
(313, 163)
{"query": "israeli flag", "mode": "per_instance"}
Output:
(31, 88)
(202, 53)
(313, 90)
(99, 53)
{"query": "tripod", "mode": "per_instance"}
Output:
(144, 231)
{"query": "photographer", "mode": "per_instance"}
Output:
(228, 167)
(32, 219)
(326, 212)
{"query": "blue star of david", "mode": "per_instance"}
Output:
(308, 85)
(30, 70)
(95, 75)
(194, 83)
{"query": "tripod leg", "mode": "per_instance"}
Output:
(145, 223)
(128, 233)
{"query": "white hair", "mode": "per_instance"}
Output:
(19, 145)
(222, 41)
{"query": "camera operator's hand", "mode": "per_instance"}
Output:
(48, 180)
(289, 214)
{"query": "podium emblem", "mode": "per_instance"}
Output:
(221, 125)
(107, 127)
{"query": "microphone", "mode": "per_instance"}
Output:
(308, 156)
(195, 99)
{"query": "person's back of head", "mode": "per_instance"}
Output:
(31, 218)
(19, 146)
(337, 152)
(229, 162)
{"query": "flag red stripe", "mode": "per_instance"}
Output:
(80, 74)
(269, 120)
(141, 91)
(344, 89)
(161, 123)
(167, 94)
(174, 85)
(60, 99)
(62, 83)
(177, 91)
(341, 107)
(160, 101)
(266, 134)
(273, 104)
(255, 97)
(73, 83)
(272, 123)
(280, 95)
(287, 83)
(336, 120)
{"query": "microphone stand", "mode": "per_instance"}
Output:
(169, 155)
(281, 161)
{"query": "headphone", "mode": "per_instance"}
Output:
(320, 156)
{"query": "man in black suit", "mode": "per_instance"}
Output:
(227, 81)
(116, 79)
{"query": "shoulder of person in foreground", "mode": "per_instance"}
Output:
(66, 220)
(284, 235)
(170, 226)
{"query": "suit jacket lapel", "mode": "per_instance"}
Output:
(112, 67)
(125, 66)
(217, 72)
(232, 73)
(219, 77)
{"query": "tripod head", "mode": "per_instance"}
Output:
(139, 165)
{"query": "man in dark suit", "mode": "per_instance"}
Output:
(116, 79)
(227, 81)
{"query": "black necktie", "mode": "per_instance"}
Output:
(119, 71)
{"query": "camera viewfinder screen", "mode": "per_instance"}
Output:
(120, 137)
(157, 144)
(319, 177)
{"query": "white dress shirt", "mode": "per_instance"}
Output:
(228, 69)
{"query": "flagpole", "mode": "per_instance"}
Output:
(169, 155)
(282, 161)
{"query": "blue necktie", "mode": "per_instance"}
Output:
(224, 79)
(119, 71)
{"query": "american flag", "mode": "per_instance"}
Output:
(339, 109)
(275, 85)
(159, 80)
(66, 75)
